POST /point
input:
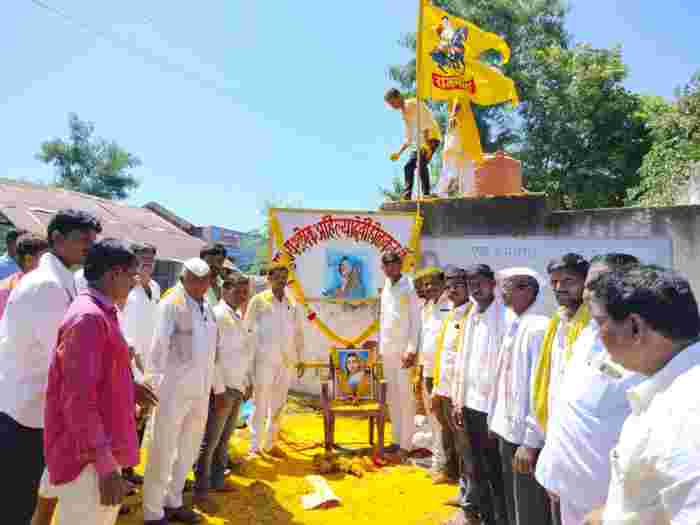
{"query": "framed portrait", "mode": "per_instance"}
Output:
(353, 373)
(347, 275)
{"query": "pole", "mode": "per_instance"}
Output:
(419, 75)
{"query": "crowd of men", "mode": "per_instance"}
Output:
(538, 419)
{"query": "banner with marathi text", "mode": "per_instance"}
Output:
(336, 255)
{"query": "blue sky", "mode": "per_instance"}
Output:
(230, 103)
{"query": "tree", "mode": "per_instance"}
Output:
(90, 165)
(586, 136)
(675, 129)
(262, 234)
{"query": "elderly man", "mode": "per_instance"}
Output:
(398, 345)
(481, 482)
(275, 329)
(526, 500)
(181, 370)
(649, 324)
(234, 367)
(28, 332)
(30, 248)
(90, 431)
(436, 307)
(567, 276)
(575, 462)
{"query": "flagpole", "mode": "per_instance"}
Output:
(419, 58)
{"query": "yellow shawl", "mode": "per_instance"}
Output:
(543, 370)
(441, 340)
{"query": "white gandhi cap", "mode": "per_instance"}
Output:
(197, 267)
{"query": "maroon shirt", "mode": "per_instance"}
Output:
(89, 414)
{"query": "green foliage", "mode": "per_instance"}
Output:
(262, 234)
(90, 165)
(586, 134)
(675, 128)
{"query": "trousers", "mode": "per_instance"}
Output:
(270, 392)
(409, 170)
(402, 404)
(79, 501)
(20, 487)
(178, 427)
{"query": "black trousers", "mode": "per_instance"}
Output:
(409, 170)
(482, 474)
(22, 455)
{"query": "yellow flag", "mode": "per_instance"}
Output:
(449, 66)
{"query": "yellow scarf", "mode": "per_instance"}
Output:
(440, 342)
(543, 371)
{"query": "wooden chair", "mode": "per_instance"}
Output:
(335, 401)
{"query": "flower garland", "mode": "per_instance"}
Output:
(409, 265)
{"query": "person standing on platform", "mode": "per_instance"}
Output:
(90, 433)
(575, 462)
(481, 483)
(526, 500)
(234, 366)
(28, 333)
(430, 139)
(181, 371)
(398, 345)
(276, 334)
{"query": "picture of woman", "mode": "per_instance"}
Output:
(354, 373)
(346, 280)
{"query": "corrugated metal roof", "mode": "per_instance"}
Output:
(30, 207)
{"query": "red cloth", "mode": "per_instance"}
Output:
(6, 286)
(89, 415)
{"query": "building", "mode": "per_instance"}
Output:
(30, 207)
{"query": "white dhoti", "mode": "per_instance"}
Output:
(79, 501)
(401, 401)
(457, 170)
(270, 391)
(572, 514)
(178, 429)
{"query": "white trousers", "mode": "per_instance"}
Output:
(402, 404)
(270, 391)
(178, 428)
(438, 451)
(79, 501)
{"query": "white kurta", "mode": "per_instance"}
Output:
(181, 370)
(235, 360)
(656, 464)
(28, 333)
(139, 316)
(432, 315)
(476, 363)
(398, 335)
(450, 350)
(276, 335)
(509, 405)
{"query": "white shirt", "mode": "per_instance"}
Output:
(235, 360)
(432, 315)
(450, 350)
(181, 359)
(509, 405)
(275, 329)
(478, 358)
(427, 121)
(399, 320)
(656, 464)
(28, 333)
(139, 317)
(575, 461)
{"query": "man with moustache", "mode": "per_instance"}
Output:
(526, 500)
(481, 483)
(649, 324)
(575, 462)
(567, 276)
(28, 332)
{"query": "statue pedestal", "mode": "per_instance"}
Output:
(498, 175)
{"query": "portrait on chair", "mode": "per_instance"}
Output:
(353, 372)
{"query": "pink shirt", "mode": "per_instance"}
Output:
(90, 410)
(6, 286)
